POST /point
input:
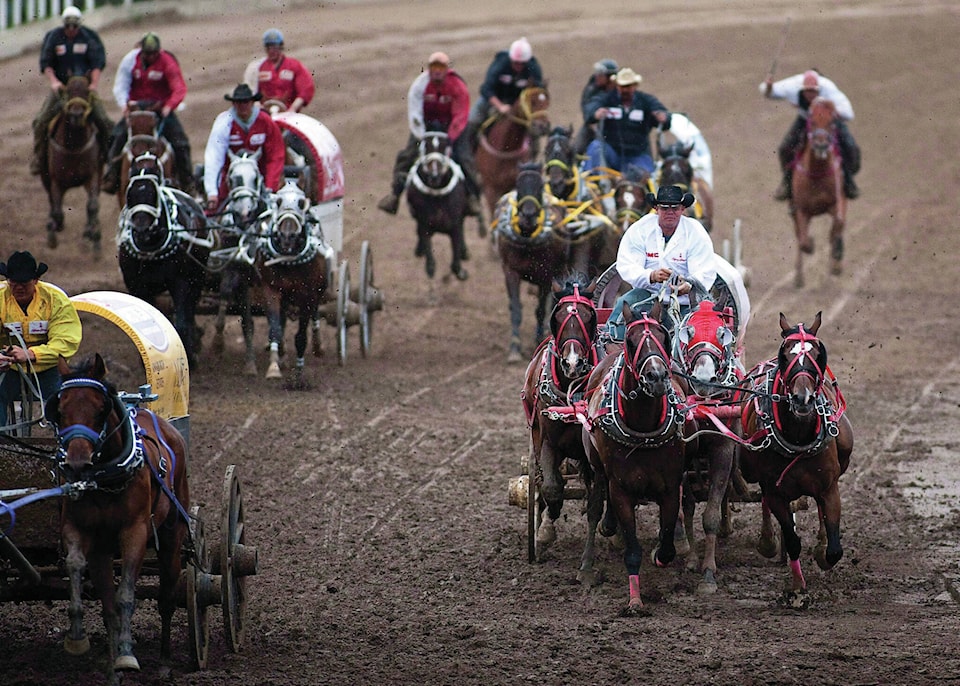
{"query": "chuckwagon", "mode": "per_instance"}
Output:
(33, 488)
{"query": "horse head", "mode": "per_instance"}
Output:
(801, 365)
(143, 209)
(645, 346)
(821, 130)
(245, 198)
(76, 102)
(531, 110)
(561, 161)
(573, 326)
(706, 349)
(530, 213)
(433, 163)
(289, 234)
(630, 196)
(675, 167)
(86, 414)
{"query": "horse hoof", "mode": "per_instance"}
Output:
(75, 646)
(681, 544)
(51, 239)
(547, 533)
(807, 246)
(708, 584)
(794, 600)
(250, 369)
(767, 546)
(836, 269)
(126, 663)
(635, 609)
(587, 578)
(461, 274)
(273, 371)
(514, 357)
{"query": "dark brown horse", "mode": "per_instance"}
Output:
(164, 243)
(633, 422)
(529, 250)
(676, 170)
(437, 195)
(797, 441)
(554, 381)
(506, 141)
(138, 463)
(708, 362)
(817, 186)
(73, 160)
(630, 197)
(142, 138)
(295, 267)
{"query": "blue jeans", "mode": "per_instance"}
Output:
(617, 328)
(10, 389)
(613, 160)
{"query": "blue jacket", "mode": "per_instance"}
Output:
(502, 81)
(627, 131)
(72, 57)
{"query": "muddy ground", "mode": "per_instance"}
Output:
(378, 499)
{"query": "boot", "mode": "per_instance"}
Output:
(389, 203)
(111, 178)
(850, 188)
(784, 191)
(473, 206)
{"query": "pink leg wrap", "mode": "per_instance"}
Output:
(797, 572)
(634, 587)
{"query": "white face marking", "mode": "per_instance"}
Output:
(801, 347)
(571, 308)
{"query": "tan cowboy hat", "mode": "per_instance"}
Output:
(627, 77)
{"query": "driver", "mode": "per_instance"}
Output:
(150, 78)
(662, 245)
(245, 126)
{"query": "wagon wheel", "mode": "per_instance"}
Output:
(534, 513)
(343, 304)
(197, 592)
(233, 585)
(366, 291)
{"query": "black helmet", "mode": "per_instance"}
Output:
(606, 66)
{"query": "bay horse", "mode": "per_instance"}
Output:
(244, 214)
(164, 243)
(630, 197)
(708, 360)
(437, 196)
(676, 170)
(295, 267)
(583, 225)
(632, 434)
(507, 141)
(817, 186)
(529, 250)
(797, 441)
(73, 160)
(553, 381)
(137, 462)
(143, 137)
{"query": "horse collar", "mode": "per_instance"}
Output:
(609, 416)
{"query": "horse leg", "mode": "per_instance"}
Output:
(542, 292)
(836, 245)
(596, 495)
(458, 248)
(76, 641)
(246, 327)
(767, 542)
(683, 532)
(669, 503)
(133, 544)
(101, 574)
(721, 463)
(829, 550)
(795, 594)
(804, 244)
(55, 222)
(551, 490)
(183, 320)
(633, 552)
(92, 231)
(512, 279)
(300, 343)
(168, 556)
(430, 262)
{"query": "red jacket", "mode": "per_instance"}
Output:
(286, 82)
(448, 103)
(263, 134)
(161, 82)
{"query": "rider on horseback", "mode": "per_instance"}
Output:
(507, 76)
(800, 90)
(70, 50)
(279, 76)
(438, 96)
(660, 249)
(628, 116)
(601, 81)
(150, 78)
(245, 126)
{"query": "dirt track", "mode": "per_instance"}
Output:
(378, 500)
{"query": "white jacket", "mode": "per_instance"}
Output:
(789, 89)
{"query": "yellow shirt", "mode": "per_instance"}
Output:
(50, 327)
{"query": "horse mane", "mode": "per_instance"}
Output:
(569, 282)
(86, 368)
(78, 86)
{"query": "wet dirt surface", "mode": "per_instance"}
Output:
(378, 499)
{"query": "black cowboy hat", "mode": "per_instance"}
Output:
(670, 195)
(242, 93)
(22, 267)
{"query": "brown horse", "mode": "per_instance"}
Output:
(797, 441)
(506, 141)
(529, 250)
(138, 463)
(553, 382)
(73, 160)
(817, 186)
(295, 268)
(142, 138)
(632, 434)
(708, 362)
(630, 197)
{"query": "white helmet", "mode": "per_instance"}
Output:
(71, 15)
(520, 50)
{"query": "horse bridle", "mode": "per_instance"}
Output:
(803, 345)
(443, 160)
(635, 364)
(572, 303)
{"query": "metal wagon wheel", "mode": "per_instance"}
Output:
(237, 561)
(201, 592)
(534, 512)
(365, 297)
(343, 306)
